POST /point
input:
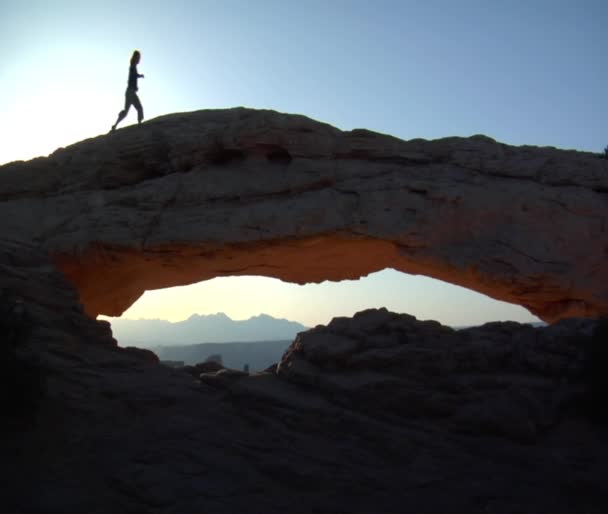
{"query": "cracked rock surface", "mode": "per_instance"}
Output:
(188, 197)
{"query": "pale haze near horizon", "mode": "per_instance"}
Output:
(522, 72)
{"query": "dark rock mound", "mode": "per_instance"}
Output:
(506, 379)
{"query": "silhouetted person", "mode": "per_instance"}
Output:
(131, 98)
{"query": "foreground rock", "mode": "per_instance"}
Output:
(379, 413)
(192, 196)
(505, 379)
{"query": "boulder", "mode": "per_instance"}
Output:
(507, 379)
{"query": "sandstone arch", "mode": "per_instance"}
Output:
(187, 197)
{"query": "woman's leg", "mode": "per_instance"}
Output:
(138, 106)
(123, 114)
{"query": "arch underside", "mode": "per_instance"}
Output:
(111, 278)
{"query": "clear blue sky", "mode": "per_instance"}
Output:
(523, 72)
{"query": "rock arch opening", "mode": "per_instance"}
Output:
(250, 321)
(192, 196)
(111, 279)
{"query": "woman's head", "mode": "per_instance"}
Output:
(135, 57)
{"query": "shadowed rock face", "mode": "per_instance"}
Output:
(378, 410)
(501, 378)
(188, 197)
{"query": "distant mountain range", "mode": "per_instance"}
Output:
(213, 328)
